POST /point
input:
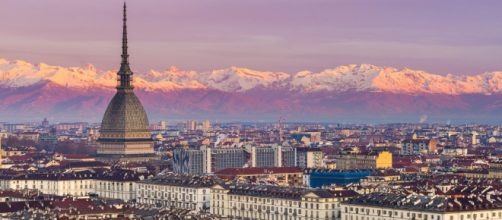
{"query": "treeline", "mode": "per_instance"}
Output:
(65, 147)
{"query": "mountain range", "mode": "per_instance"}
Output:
(350, 93)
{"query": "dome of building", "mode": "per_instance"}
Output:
(125, 113)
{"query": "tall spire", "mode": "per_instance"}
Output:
(125, 73)
(125, 56)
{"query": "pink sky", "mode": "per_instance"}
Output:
(446, 36)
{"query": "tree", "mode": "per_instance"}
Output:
(72, 147)
(13, 141)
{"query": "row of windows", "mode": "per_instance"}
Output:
(167, 187)
(270, 213)
(415, 215)
(168, 195)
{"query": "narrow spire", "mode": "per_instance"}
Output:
(125, 56)
(125, 73)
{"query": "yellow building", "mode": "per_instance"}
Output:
(383, 160)
(331, 165)
(372, 160)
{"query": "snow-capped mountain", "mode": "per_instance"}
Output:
(364, 77)
(350, 91)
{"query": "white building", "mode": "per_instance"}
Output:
(273, 156)
(310, 158)
(116, 184)
(245, 201)
(386, 206)
(176, 191)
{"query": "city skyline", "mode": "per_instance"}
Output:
(256, 139)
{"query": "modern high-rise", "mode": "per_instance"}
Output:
(191, 161)
(206, 160)
(206, 125)
(273, 156)
(191, 125)
(310, 157)
(124, 133)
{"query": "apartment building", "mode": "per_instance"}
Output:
(246, 201)
(176, 191)
(310, 157)
(387, 206)
(116, 184)
(203, 160)
(273, 156)
(419, 146)
(371, 160)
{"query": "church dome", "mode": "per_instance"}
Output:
(125, 113)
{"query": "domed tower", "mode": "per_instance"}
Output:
(124, 133)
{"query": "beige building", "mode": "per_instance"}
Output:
(385, 206)
(372, 160)
(17, 151)
(310, 158)
(191, 125)
(419, 146)
(176, 191)
(382, 177)
(206, 126)
(106, 184)
(244, 201)
(494, 171)
(34, 136)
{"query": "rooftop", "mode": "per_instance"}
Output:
(257, 171)
(181, 180)
(294, 193)
(428, 203)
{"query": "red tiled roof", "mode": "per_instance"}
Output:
(76, 156)
(257, 171)
(75, 164)
(20, 158)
